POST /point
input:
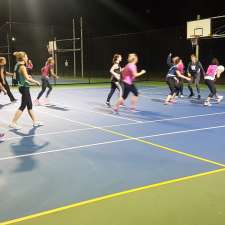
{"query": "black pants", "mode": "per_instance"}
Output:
(45, 84)
(9, 93)
(212, 87)
(114, 86)
(196, 81)
(181, 87)
(173, 85)
(129, 88)
(26, 101)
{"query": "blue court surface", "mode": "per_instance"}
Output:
(85, 151)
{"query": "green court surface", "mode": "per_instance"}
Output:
(195, 200)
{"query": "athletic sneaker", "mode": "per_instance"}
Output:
(14, 101)
(108, 104)
(181, 96)
(116, 111)
(46, 101)
(207, 103)
(38, 124)
(199, 97)
(219, 98)
(15, 126)
(173, 101)
(167, 103)
(37, 102)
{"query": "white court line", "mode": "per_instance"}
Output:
(111, 126)
(100, 113)
(108, 142)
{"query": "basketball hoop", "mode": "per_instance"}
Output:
(194, 40)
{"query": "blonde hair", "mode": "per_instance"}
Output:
(49, 60)
(2, 59)
(19, 56)
(132, 57)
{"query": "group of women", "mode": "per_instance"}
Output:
(22, 75)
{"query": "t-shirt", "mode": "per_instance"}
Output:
(195, 68)
(211, 72)
(180, 67)
(172, 71)
(45, 71)
(128, 73)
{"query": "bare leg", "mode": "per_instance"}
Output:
(17, 116)
(32, 116)
(119, 103)
(169, 97)
(134, 102)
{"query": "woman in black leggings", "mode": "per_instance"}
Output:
(115, 78)
(47, 71)
(3, 80)
(24, 81)
(214, 71)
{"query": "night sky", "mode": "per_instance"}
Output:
(103, 17)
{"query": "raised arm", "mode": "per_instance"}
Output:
(169, 60)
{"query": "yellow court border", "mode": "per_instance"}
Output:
(47, 212)
(110, 196)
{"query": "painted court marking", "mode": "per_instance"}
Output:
(140, 140)
(110, 196)
(110, 142)
(116, 125)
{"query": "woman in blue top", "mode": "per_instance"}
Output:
(24, 81)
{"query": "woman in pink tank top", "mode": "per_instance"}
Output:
(129, 74)
(212, 73)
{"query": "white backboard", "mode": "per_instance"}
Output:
(201, 28)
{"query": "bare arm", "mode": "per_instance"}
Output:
(23, 71)
(139, 74)
(2, 76)
(9, 74)
(2, 88)
(182, 76)
(53, 74)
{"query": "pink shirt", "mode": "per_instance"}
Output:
(180, 67)
(211, 71)
(46, 70)
(30, 66)
(128, 73)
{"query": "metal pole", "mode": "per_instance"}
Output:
(55, 57)
(197, 49)
(74, 52)
(82, 47)
(8, 51)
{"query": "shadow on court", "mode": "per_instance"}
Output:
(59, 108)
(27, 162)
(4, 105)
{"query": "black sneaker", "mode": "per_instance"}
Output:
(199, 97)
(108, 104)
(191, 96)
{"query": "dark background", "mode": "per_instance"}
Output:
(150, 28)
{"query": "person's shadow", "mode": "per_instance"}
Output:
(24, 150)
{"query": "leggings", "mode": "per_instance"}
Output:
(173, 85)
(45, 84)
(114, 86)
(181, 87)
(196, 82)
(26, 98)
(212, 87)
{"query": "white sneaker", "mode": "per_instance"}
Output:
(207, 103)
(15, 126)
(37, 102)
(219, 98)
(38, 124)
